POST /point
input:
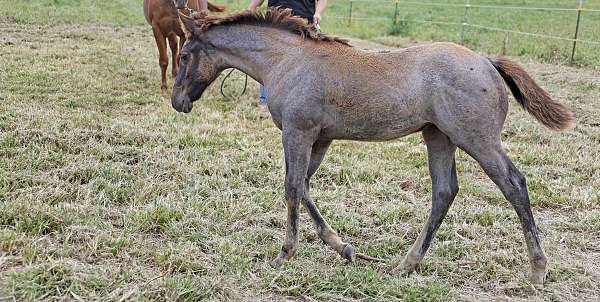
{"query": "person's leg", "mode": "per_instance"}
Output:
(262, 100)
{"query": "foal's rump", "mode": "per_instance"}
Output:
(468, 90)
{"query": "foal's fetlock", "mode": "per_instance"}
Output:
(334, 241)
(277, 262)
(407, 266)
(286, 253)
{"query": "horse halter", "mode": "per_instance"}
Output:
(186, 10)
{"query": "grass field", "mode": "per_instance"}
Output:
(411, 17)
(374, 19)
(106, 193)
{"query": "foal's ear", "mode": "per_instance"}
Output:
(188, 23)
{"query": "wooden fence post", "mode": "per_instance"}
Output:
(396, 13)
(350, 14)
(465, 22)
(504, 44)
(576, 31)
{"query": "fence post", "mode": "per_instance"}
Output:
(465, 22)
(350, 14)
(504, 44)
(576, 31)
(396, 13)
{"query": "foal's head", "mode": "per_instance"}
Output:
(203, 56)
(199, 65)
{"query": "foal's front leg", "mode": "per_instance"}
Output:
(297, 147)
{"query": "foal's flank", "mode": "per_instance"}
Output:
(321, 89)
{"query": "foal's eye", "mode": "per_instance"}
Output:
(183, 57)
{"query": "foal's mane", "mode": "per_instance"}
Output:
(273, 17)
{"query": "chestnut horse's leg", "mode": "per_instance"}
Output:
(326, 233)
(496, 164)
(442, 167)
(174, 53)
(297, 146)
(181, 42)
(163, 59)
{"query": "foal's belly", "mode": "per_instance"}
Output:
(367, 125)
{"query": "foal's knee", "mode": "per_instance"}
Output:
(294, 191)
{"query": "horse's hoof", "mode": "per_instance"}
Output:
(404, 268)
(348, 253)
(537, 279)
(276, 263)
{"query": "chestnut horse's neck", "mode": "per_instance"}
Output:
(257, 50)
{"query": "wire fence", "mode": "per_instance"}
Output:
(465, 25)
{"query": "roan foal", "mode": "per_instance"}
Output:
(162, 15)
(320, 89)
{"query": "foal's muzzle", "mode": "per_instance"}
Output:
(181, 102)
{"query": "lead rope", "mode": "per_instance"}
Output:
(223, 84)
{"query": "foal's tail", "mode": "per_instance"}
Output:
(531, 96)
(215, 8)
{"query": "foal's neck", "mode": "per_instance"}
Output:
(254, 49)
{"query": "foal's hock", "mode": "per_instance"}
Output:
(320, 89)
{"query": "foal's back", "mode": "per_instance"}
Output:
(385, 95)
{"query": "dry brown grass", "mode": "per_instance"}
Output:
(106, 192)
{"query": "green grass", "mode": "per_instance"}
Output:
(411, 25)
(374, 19)
(115, 12)
(107, 193)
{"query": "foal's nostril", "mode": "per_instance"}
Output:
(181, 103)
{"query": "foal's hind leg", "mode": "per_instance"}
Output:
(511, 182)
(326, 233)
(440, 152)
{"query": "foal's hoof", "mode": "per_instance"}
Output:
(348, 253)
(537, 279)
(404, 268)
(276, 263)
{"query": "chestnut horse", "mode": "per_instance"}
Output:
(320, 89)
(162, 15)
